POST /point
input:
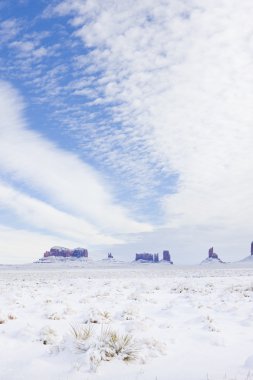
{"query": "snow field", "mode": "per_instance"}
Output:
(127, 322)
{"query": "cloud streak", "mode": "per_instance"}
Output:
(37, 214)
(23, 246)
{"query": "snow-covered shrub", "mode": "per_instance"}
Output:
(82, 333)
(97, 316)
(130, 313)
(48, 335)
(114, 344)
(104, 346)
(54, 316)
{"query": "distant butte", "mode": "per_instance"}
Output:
(153, 257)
(66, 252)
(212, 257)
(166, 257)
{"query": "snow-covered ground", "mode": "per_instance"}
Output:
(126, 321)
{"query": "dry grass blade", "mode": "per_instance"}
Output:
(82, 333)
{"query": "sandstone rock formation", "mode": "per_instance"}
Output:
(212, 257)
(211, 254)
(149, 257)
(66, 252)
(166, 257)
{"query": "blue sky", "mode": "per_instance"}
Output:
(126, 126)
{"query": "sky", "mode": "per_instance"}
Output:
(126, 126)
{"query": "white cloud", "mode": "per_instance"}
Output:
(8, 29)
(24, 46)
(23, 246)
(57, 176)
(40, 215)
(30, 48)
(180, 74)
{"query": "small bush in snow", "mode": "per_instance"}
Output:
(107, 345)
(116, 344)
(49, 336)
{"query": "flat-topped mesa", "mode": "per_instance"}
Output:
(251, 251)
(66, 252)
(150, 257)
(166, 257)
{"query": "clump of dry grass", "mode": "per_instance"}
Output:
(82, 333)
(105, 346)
(105, 315)
(115, 344)
(130, 313)
(54, 316)
(97, 316)
(11, 317)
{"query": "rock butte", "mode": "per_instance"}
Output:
(66, 252)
